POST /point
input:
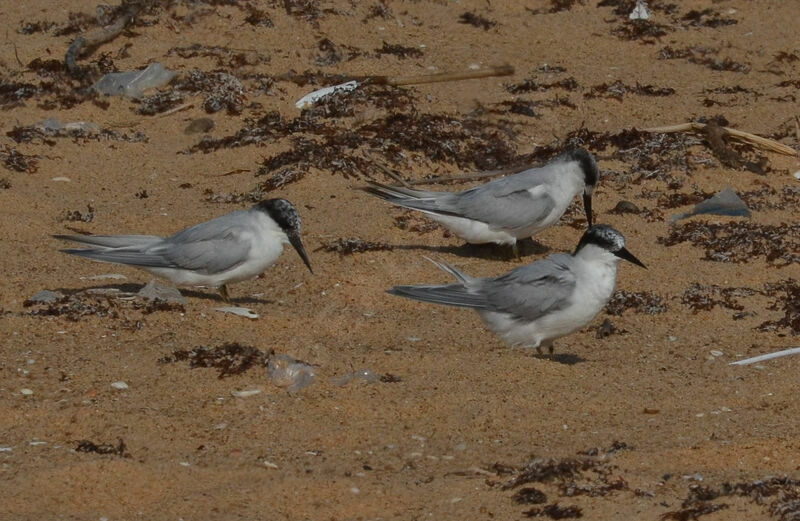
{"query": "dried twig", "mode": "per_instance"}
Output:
(501, 70)
(387, 171)
(761, 142)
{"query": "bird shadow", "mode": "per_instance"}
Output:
(561, 358)
(133, 288)
(527, 247)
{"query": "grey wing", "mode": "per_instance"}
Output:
(532, 291)
(210, 247)
(510, 203)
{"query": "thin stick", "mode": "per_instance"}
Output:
(388, 172)
(176, 109)
(502, 70)
(769, 356)
(765, 143)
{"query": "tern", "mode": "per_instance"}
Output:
(533, 305)
(507, 209)
(231, 248)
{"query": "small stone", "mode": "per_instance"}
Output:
(716, 352)
(25, 392)
(119, 385)
(199, 125)
(625, 207)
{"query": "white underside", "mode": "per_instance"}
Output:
(596, 279)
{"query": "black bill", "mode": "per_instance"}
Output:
(294, 239)
(628, 256)
(587, 205)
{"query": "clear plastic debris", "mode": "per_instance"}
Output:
(285, 371)
(132, 84)
(362, 375)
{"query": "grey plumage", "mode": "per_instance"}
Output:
(527, 292)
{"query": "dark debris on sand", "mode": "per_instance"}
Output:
(230, 358)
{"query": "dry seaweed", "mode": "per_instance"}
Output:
(102, 448)
(700, 297)
(645, 302)
(740, 241)
(555, 511)
(230, 358)
(332, 54)
(706, 18)
(224, 56)
(257, 17)
(617, 90)
(17, 161)
(476, 20)
(413, 222)
(77, 216)
(556, 6)
(645, 31)
(400, 51)
(42, 134)
(703, 56)
(790, 305)
(158, 103)
(530, 496)
(221, 89)
(542, 470)
(351, 245)
(531, 85)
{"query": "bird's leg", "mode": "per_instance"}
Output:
(515, 251)
(223, 292)
(550, 348)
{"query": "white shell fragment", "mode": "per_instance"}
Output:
(242, 312)
(119, 385)
(313, 97)
(246, 394)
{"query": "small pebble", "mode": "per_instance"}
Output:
(119, 385)
(797, 175)
(625, 207)
(199, 125)
(26, 392)
(269, 464)
(716, 352)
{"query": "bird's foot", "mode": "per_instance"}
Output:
(223, 292)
